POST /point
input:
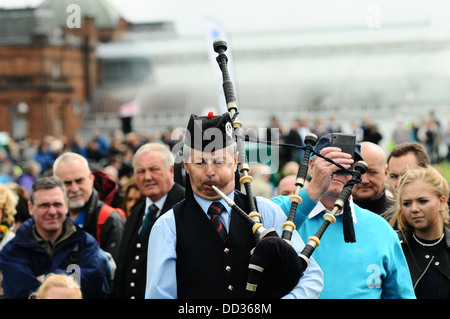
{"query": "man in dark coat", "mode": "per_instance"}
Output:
(154, 168)
(371, 193)
(50, 243)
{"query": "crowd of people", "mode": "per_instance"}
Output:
(118, 217)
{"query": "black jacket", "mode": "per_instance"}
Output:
(206, 267)
(111, 233)
(378, 206)
(131, 273)
(421, 263)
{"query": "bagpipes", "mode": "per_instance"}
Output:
(275, 267)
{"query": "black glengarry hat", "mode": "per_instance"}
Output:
(209, 133)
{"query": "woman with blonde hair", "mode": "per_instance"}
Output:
(8, 202)
(58, 286)
(422, 219)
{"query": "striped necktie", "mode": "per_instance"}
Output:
(149, 219)
(215, 209)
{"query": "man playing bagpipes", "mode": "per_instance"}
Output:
(202, 247)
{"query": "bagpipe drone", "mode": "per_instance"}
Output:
(275, 267)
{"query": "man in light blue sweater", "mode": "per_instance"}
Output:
(372, 267)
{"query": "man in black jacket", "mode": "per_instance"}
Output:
(154, 168)
(371, 193)
(85, 205)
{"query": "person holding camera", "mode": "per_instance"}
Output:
(372, 267)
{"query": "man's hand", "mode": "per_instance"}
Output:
(321, 171)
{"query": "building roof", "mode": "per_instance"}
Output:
(106, 16)
(348, 71)
(26, 25)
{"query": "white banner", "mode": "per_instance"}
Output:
(215, 30)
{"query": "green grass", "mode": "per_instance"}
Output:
(444, 168)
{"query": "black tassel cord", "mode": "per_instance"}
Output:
(347, 220)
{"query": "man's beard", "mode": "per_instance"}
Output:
(76, 205)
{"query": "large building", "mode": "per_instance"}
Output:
(48, 67)
(56, 79)
(348, 73)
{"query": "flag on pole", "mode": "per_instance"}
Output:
(215, 30)
(129, 109)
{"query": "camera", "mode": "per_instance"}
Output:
(345, 142)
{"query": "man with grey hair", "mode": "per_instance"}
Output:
(154, 169)
(202, 247)
(100, 220)
(374, 254)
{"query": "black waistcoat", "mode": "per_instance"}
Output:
(206, 267)
(135, 269)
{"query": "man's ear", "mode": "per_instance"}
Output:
(30, 205)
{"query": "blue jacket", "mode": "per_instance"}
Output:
(373, 267)
(23, 259)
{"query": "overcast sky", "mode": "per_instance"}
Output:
(249, 15)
